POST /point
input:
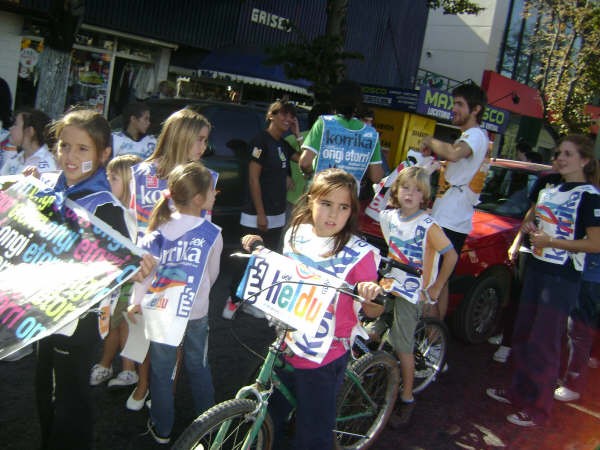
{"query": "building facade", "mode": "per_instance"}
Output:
(123, 50)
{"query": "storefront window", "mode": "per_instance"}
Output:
(88, 80)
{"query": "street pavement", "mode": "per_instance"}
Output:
(453, 413)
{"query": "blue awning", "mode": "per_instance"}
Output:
(246, 65)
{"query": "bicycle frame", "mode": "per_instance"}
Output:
(267, 381)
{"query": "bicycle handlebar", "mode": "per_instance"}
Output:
(386, 265)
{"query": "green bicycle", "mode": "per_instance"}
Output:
(364, 405)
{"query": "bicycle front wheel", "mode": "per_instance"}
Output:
(431, 347)
(237, 417)
(366, 400)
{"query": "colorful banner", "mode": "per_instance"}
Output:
(289, 291)
(437, 103)
(56, 262)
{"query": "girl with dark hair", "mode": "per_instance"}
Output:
(29, 135)
(63, 393)
(321, 235)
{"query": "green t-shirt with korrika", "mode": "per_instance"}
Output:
(313, 139)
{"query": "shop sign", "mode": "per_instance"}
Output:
(437, 103)
(395, 98)
(270, 20)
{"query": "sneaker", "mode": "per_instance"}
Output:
(501, 354)
(230, 309)
(593, 363)
(521, 418)
(498, 394)
(100, 374)
(496, 340)
(135, 405)
(157, 437)
(423, 373)
(564, 394)
(401, 417)
(249, 309)
(124, 379)
(20, 354)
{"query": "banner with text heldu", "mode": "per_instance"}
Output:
(56, 262)
(289, 291)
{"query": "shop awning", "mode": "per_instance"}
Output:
(246, 65)
(512, 95)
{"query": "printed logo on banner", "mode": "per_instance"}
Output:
(39, 244)
(168, 303)
(281, 287)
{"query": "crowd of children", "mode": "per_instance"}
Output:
(163, 203)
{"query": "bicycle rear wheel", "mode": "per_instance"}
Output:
(431, 347)
(364, 408)
(202, 432)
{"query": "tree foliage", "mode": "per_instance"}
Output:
(322, 59)
(456, 6)
(567, 45)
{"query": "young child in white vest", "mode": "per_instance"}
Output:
(413, 238)
(174, 300)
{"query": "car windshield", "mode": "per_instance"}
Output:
(506, 191)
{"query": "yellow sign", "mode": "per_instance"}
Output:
(400, 131)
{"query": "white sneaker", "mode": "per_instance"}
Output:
(125, 378)
(230, 308)
(564, 394)
(249, 309)
(135, 405)
(496, 340)
(521, 419)
(501, 354)
(100, 374)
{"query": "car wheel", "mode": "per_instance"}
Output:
(478, 314)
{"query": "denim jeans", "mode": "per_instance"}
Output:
(546, 301)
(162, 372)
(582, 325)
(316, 393)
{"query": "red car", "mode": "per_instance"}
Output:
(481, 282)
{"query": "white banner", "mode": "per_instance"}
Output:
(289, 291)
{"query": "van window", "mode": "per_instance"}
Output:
(229, 124)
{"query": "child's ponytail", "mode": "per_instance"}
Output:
(185, 182)
(161, 212)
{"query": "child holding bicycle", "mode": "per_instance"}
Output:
(174, 301)
(63, 394)
(413, 238)
(321, 235)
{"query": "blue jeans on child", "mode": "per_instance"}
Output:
(316, 392)
(546, 301)
(163, 362)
